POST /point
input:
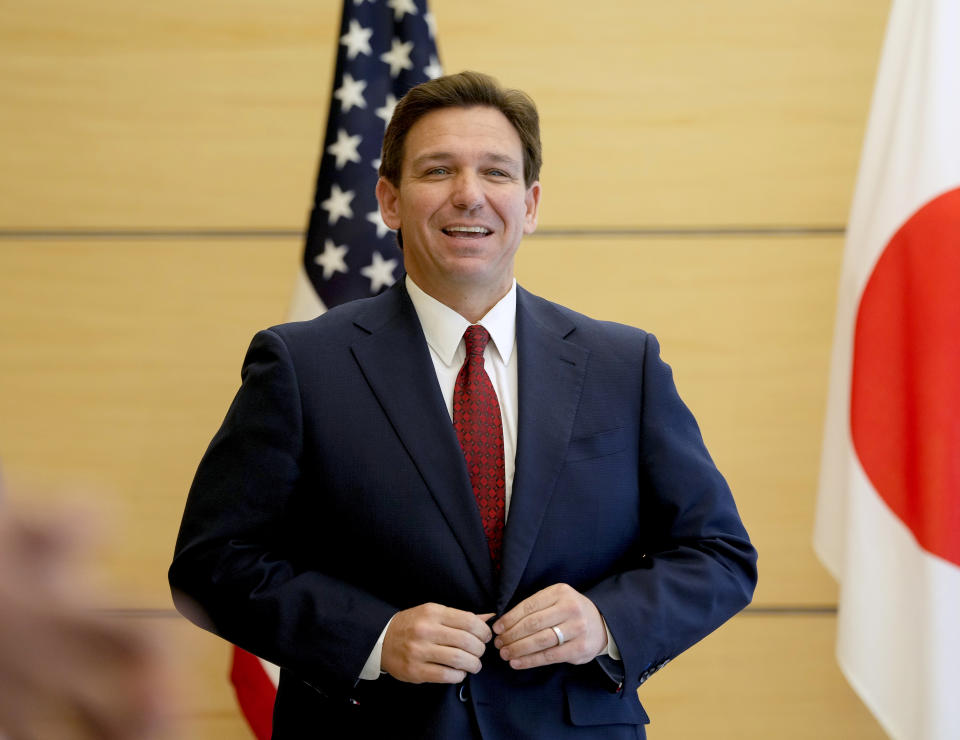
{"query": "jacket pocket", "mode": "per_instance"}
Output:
(597, 445)
(590, 706)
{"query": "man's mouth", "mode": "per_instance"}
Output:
(467, 232)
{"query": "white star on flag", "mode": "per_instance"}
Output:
(357, 40)
(331, 259)
(431, 23)
(338, 204)
(433, 70)
(380, 272)
(386, 111)
(350, 93)
(376, 219)
(398, 57)
(345, 148)
(401, 8)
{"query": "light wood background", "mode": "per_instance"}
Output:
(156, 170)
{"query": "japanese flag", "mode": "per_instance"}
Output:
(888, 517)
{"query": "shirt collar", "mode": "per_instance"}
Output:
(443, 327)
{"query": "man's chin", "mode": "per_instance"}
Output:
(473, 273)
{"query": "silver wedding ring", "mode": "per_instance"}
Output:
(559, 634)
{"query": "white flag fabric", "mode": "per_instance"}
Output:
(888, 513)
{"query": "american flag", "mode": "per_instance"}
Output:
(386, 47)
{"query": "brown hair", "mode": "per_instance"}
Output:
(463, 90)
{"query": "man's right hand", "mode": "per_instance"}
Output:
(431, 643)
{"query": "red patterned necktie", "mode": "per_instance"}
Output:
(476, 417)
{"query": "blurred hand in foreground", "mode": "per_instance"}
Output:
(67, 671)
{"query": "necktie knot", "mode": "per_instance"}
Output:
(476, 338)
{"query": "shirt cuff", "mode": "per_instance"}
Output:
(371, 669)
(612, 650)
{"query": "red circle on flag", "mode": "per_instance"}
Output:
(905, 397)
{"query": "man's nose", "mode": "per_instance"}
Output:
(467, 191)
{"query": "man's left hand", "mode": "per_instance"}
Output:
(525, 634)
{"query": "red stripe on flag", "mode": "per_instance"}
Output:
(905, 398)
(255, 692)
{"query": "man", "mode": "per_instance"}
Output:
(417, 565)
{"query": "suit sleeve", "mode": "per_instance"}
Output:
(697, 568)
(234, 571)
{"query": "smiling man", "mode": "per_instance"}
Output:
(458, 510)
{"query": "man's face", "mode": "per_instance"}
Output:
(462, 203)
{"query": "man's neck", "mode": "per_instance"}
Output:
(472, 304)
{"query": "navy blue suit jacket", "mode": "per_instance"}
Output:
(335, 494)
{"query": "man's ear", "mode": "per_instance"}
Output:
(532, 202)
(388, 196)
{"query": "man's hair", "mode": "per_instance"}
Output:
(463, 90)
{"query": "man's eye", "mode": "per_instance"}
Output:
(438, 171)
(498, 173)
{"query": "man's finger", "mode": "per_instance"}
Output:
(538, 624)
(458, 640)
(538, 641)
(544, 657)
(457, 619)
(457, 659)
(530, 605)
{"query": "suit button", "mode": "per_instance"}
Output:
(464, 692)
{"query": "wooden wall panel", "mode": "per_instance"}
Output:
(186, 115)
(759, 677)
(159, 115)
(685, 112)
(204, 706)
(118, 362)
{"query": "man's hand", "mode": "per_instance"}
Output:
(525, 635)
(431, 643)
(65, 670)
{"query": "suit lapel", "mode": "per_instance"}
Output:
(550, 377)
(395, 360)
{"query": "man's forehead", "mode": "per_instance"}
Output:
(445, 133)
(441, 155)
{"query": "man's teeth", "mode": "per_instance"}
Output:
(468, 229)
